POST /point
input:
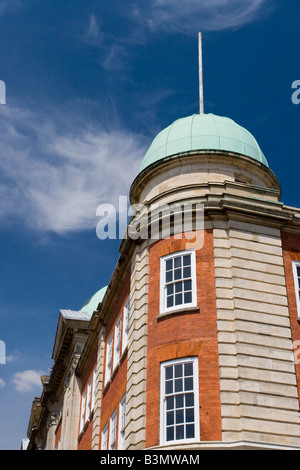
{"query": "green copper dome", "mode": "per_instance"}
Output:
(203, 132)
(91, 305)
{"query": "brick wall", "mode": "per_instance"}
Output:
(113, 394)
(193, 333)
(113, 391)
(57, 435)
(291, 252)
(85, 441)
(85, 438)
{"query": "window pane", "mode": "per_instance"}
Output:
(178, 299)
(298, 271)
(188, 369)
(169, 372)
(187, 297)
(170, 301)
(186, 260)
(188, 383)
(179, 416)
(189, 415)
(169, 264)
(170, 418)
(186, 272)
(170, 289)
(177, 273)
(178, 287)
(170, 434)
(169, 276)
(190, 432)
(169, 387)
(179, 401)
(178, 370)
(187, 285)
(177, 262)
(179, 432)
(189, 399)
(178, 385)
(170, 403)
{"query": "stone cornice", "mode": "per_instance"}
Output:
(103, 312)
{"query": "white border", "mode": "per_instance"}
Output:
(184, 360)
(117, 345)
(104, 437)
(82, 410)
(113, 427)
(125, 325)
(296, 285)
(193, 303)
(109, 366)
(121, 440)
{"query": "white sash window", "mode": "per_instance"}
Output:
(178, 281)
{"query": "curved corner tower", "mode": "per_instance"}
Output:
(214, 352)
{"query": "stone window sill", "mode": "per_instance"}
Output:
(178, 311)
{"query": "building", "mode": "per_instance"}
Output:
(191, 344)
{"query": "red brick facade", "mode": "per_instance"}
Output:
(85, 437)
(113, 394)
(191, 333)
(115, 389)
(291, 252)
(57, 436)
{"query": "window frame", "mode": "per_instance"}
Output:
(163, 282)
(93, 391)
(104, 437)
(109, 357)
(83, 410)
(117, 342)
(113, 430)
(122, 415)
(295, 265)
(88, 399)
(125, 326)
(163, 399)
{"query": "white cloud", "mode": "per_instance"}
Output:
(114, 54)
(2, 383)
(190, 16)
(169, 16)
(13, 357)
(93, 29)
(27, 380)
(116, 57)
(54, 179)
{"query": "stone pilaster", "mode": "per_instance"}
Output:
(259, 396)
(135, 431)
(98, 392)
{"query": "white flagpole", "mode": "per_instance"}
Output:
(201, 100)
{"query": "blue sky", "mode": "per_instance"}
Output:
(88, 86)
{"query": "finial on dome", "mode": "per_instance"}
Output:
(201, 100)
